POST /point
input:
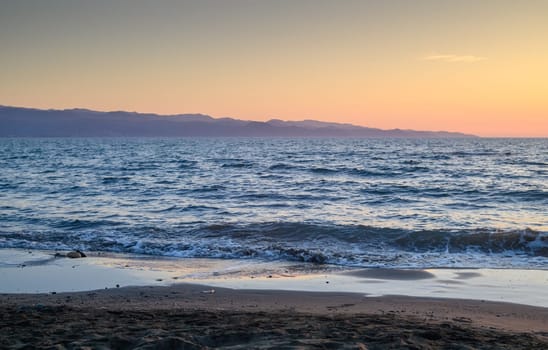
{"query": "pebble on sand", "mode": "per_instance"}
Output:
(75, 254)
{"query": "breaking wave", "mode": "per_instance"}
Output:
(345, 245)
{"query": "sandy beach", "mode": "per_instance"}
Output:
(223, 304)
(194, 317)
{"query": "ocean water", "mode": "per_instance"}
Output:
(348, 202)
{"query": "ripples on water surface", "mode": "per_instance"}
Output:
(363, 202)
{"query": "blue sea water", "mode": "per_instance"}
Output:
(349, 202)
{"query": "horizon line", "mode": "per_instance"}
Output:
(261, 121)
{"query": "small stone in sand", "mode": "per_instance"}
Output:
(75, 254)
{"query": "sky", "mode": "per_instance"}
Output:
(478, 67)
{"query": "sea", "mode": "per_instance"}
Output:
(390, 203)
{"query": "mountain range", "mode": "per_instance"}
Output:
(29, 122)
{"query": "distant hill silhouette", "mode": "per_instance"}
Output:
(28, 122)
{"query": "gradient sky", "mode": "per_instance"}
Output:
(472, 66)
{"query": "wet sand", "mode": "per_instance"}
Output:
(34, 271)
(91, 304)
(193, 316)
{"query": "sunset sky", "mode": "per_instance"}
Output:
(471, 66)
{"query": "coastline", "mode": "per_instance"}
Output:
(36, 271)
(218, 303)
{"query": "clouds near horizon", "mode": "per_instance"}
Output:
(454, 58)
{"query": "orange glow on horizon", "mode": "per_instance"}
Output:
(472, 67)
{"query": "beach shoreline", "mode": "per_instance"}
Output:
(122, 301)
(36, 271)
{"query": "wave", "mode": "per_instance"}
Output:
(346, 245)
(115, 179)
(209, 188)
(531, 195)
(238, 165)
(323, 171)
(369, 172)
(8, 186)
(84, 224)
(234, 163)
(479, 153)
(281, 166)
(186, 164)
(373, 172)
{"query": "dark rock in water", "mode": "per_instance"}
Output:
(81, 253)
